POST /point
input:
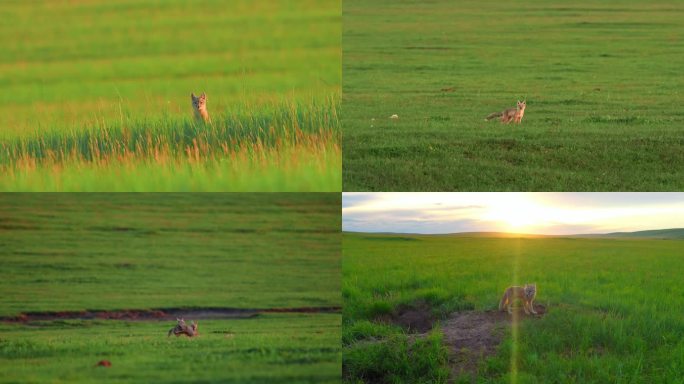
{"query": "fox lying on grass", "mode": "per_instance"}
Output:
(183, 329)
(510, 114)
(199, 106)
(526, 294)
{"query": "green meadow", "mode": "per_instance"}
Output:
(613, 308)
(273, 349)
(72, 252)
(602, 82)
(97, 96)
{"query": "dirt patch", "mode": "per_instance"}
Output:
(472, 335)
(417, 318)
(161, 314)
(104, 363)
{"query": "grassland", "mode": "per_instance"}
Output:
(601, 80)
(273, 349)
(613, 307)
(97, 96)
(71, 252)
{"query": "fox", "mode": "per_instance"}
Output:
(511, 114)
(199, 106)
(526, 293)
(183, 329)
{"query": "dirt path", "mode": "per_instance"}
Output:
(162, 314)
(472, 336)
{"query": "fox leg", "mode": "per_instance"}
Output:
(532, 307)
(503, 304)
(525, 304)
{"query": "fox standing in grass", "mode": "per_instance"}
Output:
(199, 105)
(526, 293)
(511, 114)
(183, 329)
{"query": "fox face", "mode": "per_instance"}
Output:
(199, 106)
(530, 291)
(199, 102)
(521, 104)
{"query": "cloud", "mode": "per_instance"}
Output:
(358, 199)
(589, 200)
(542, 213)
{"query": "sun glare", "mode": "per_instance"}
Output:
(529, 213)
(516, 212)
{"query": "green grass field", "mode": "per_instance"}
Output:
(271, 349)
(613, 307)
(72, 252)
(97, 96)
(602, 83)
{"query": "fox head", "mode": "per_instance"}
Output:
(195, 325)
(199, 102)
(521, 104)
(530, 290)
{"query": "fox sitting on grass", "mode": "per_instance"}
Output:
(526, 293)
(510, 114)
(199, 106)
(183, 329)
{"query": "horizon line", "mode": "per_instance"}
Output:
(511, 233)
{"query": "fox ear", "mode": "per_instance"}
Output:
(192, 95)
(203, 95)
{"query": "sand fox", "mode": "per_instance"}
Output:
(526, 293)
(199, 105)
(183, 329)
(510, 114)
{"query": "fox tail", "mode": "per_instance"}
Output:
(493, 115)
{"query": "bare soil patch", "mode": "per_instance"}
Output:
(473, 335)
(417, 318)
(161, 314)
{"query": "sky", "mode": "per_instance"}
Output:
(531, 213)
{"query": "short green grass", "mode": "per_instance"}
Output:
(88, 71)
(602, 83)
(614, 306)
(70, 252)
(271, 349)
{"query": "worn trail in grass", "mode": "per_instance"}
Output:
(276, 348)
(121, 252)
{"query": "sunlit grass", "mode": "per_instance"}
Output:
(103, 90)
(283, 147)
(613, 305)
